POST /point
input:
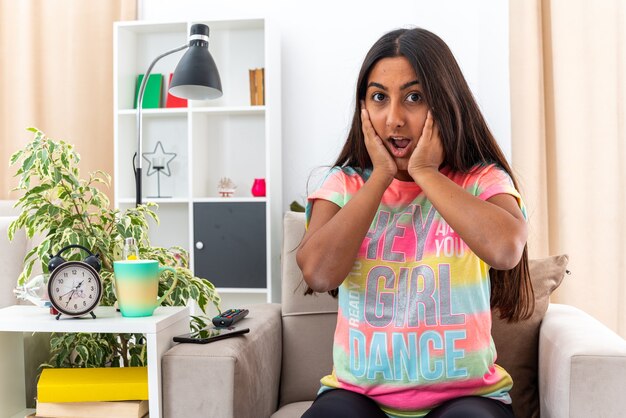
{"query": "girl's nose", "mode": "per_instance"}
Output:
(395, 117)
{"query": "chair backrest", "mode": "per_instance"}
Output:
(11, 255)
(7, 208)
(308, 323)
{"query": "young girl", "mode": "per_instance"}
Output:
(421, 229)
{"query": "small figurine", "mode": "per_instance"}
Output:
(226, 187)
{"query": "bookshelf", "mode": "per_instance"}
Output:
(226, 137)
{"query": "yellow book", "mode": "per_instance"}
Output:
(117, 409)
(93, 385)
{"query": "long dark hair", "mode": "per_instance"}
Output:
(466, 138)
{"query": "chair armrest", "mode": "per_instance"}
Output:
(582, 366)
(236, 377)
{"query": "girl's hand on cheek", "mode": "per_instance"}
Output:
(428, 154)
(382, 160)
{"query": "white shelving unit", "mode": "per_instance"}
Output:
(226, 137)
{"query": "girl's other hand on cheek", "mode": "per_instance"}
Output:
(382, 160)
(428, 155)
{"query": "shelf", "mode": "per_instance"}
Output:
(162, 200)
(162, 111)
(24, 413)
(147, 27)
(177, 200)
(144, 27)
(240, 290)
(35, 319)
(228, 199)
(234, 110)
(171, 111)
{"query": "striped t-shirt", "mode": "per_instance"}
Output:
(414, 322)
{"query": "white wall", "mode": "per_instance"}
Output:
(323, 44)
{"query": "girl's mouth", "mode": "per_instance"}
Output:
(399, 146)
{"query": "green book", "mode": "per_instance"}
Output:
(152, 93)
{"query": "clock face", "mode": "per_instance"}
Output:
(74, 288)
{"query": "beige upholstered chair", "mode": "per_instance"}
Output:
(36, 346)
(275, 369)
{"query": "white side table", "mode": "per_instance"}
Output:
(14, 320)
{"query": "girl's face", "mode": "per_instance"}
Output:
(397, 108)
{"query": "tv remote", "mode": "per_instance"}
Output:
(229, 317)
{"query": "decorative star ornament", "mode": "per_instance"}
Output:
(159, 154)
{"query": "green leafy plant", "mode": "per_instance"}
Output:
(61, 208)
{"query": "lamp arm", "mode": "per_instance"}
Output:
(139, 119)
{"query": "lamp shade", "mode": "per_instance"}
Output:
(196, 76)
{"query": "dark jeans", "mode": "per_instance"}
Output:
(339, 403)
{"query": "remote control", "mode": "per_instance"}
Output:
(229, 317)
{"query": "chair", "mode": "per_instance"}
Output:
(274, 370)
(36, 346)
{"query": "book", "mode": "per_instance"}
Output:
(252, 88)
(173, 101)
(93, 384)
(257, 86)
(119, 409)
(152, 92)
(259, 76)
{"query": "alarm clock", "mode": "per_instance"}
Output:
(74, 287)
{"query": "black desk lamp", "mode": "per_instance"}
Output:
(195, 77)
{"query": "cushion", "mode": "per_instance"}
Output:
(11, 255)
(294, 302)
(295, 409)
(517, 343)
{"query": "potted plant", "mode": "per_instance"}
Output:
(64, 209)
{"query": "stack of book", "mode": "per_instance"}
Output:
(154, 91)
(257, 86)
(93, 393)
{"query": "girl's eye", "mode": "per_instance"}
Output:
(414, 97)
(378, 97)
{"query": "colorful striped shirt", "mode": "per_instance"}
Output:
(414, 322)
